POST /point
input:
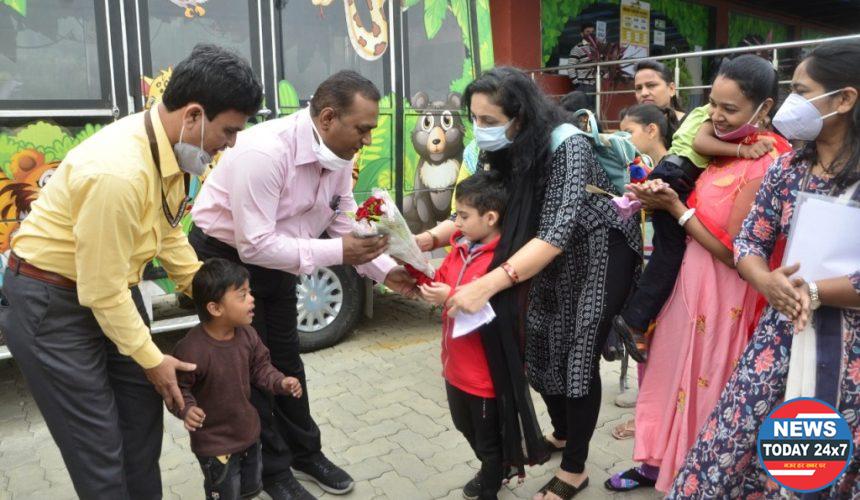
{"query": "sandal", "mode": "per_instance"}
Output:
(631, 480)
(562, 489)
(624, 430)
(635, 342)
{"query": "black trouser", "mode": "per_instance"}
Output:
(574, 419)
(240, 477)
(289, 434)
(102, 412)
(670, 242)
(477, 419)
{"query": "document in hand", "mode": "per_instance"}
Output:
(824, 237)
(466, 323)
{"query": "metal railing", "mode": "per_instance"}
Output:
(773, 47)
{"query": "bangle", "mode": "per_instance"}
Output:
(686, 216)
(738, 152)
(512, 274)
(433, 237)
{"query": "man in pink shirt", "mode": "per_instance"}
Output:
(267, 204)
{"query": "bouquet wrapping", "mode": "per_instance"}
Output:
(379, 215)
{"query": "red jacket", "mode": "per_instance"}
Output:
(464, 363)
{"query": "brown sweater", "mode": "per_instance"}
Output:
(221, 386)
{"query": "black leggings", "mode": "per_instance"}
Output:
(574, 419)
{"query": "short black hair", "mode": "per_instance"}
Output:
(485, 190)
(217, 79)
(586, 25)
(338, 92)
(214, 278)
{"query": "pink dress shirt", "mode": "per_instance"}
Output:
(271, 199)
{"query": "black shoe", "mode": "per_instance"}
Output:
(327, 475)
(635, 343)
(472, 489)
(288, 489)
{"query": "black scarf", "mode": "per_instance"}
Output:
(503, 338)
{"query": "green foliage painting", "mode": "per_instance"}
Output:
(19, 6)
(691, 20)
(48, 141)
(741, 25)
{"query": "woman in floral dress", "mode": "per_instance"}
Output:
(723, 462)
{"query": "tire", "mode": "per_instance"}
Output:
(324, 323)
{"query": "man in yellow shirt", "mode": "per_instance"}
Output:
(74, 317)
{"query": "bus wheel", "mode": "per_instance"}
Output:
(330, 302)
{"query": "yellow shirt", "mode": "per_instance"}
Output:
(99, 221)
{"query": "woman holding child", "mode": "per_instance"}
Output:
(824, 111)
(705, 325)
(583, 259)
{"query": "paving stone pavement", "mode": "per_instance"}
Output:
(379, 400)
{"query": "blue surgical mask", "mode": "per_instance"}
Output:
(493, 138)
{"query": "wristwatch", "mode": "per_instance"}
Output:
(814, 300)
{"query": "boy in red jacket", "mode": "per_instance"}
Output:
(480, 202)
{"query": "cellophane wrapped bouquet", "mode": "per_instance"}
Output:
(379, 215)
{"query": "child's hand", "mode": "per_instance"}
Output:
(435, 293)
(194, 418)
(293, 386)
(761, 147)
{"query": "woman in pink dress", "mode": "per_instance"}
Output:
(705, 325)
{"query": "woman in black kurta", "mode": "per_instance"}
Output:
(577, 244)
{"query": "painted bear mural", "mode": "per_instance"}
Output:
(438, 140)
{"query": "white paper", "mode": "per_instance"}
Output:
(660, 38)
(824, 238)
(465, 323)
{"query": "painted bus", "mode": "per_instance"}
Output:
(69, 67)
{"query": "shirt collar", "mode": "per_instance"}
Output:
(169, 166)
(305, 139)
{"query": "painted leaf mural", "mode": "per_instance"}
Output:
(434, 15)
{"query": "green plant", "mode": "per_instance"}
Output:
(741, 25)
(691, 20)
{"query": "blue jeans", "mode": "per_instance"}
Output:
(240, 477)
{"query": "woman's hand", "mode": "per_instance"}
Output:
(469, 298)
(435, 293)
(656, 195)
(781, 292)
(802, 287)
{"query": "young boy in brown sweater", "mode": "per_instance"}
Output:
(224, 426)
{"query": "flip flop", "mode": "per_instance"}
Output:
(636, 480)
(624, 430)
(563, 489)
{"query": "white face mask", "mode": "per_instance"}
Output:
(493, 138)
(327, 158)
(192, 159)
(799, 119)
